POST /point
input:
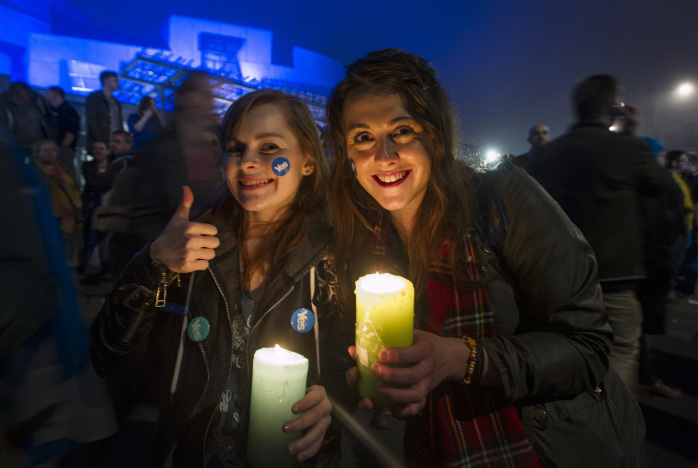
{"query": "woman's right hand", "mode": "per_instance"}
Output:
(185, 246)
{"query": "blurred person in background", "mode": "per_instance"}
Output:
(27, 114)
(50, 398)
(96, 254)
(68, 128)
(146, 123)
(64, 194)
(538, 136)
(103, 110)
(679, 166)
(182, 155)
(600, 179)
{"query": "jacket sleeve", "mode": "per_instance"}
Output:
(122, 329)
(560, 344)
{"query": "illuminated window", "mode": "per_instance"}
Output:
(84, 76)
(220, 53)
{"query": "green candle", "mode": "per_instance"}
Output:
(278, 381)
(384, 319)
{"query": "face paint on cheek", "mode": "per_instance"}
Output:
(280, 166)
(353, 166)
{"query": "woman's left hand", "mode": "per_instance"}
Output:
(314, 409)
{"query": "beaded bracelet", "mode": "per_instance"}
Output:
(472, 360)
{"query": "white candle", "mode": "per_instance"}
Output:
(384, 319)
(278, 381)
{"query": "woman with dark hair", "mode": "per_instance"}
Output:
(508, 310)
(256, 256)
(146, 123)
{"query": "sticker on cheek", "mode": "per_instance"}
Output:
(353, 166)
(280, 166)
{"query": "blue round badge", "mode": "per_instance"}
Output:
(198, 329)
(303, 320)
(353, 166)
(280, 166)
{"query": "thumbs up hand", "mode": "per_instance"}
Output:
(185, 246)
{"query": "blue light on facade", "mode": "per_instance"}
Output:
(237, 58)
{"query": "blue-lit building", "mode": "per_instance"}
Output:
(237, 59)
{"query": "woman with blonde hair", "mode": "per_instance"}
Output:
(62, 189)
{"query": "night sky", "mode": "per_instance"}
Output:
(506, 64)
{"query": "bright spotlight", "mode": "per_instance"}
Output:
(492, 156)
(685, 89)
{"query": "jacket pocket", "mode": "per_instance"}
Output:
(585, 431)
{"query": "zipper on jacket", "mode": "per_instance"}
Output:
(134, 326)
(201, 397)
(198, 403)
(247, 357)
(230, 363)
(166, 280)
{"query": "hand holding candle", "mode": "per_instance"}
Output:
(384, 319)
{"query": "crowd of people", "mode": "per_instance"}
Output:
(534, 281)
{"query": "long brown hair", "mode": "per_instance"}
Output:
(446, 210)
(281, 236)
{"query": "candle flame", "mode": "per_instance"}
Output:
(279, 356)
(382, 283)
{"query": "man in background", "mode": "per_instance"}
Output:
(538, 136)
(103, 111)
(67, 126)
(600, 179)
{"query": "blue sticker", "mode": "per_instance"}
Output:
(303, 320)
(198, 329)
(280, 166)
(353, 166)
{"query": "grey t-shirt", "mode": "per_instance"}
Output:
(223, 442)
(115, 123)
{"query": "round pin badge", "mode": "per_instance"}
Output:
(198, 329)
(353, 166)
(303, 320)
(280, 166)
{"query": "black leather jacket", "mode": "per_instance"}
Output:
(129, 329)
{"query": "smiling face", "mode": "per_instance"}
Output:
(384, 142)
(263, 184)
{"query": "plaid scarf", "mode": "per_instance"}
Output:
(461, 425)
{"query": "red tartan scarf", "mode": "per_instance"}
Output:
(461, 425)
